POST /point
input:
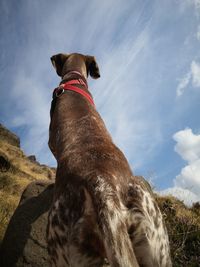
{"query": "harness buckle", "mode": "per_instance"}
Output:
(59, 92)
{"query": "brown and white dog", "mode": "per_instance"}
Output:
(100, 209)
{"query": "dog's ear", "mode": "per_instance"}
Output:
(58, 62)
(92, 67)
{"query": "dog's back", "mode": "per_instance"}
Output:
(100, 209)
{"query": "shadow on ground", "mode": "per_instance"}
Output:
(24, 243)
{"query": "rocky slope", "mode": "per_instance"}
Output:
(16, 172)
(24, 243)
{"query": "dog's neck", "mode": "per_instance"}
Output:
(74, 74)
(64, 103)
(74, 63)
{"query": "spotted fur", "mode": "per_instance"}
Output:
(101, 212)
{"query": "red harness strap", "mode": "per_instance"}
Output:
(69, 86)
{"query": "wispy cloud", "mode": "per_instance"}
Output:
(141, 47)
(127, 121)
(195, 70)
(198, 33)
(32, 79)
(192, 76)
(194, 3)
(183, 84)
(31, 110)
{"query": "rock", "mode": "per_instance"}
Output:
(24, 244)
(32, 158)
(4, 163)
(8, 136)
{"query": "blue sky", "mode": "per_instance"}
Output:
(149, 90)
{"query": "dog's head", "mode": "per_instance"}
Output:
(86, 65)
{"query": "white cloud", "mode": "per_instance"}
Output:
(190, 177)
(197, 4)
(192, 76)
(187, 183)
(184, 195)
(183, 84)
(195, 70)
(198, 33)
(188, 145)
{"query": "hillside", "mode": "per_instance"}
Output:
(18, 170)
(183, 225)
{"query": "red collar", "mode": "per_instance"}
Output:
(69, 86)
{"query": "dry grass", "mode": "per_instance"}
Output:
(7, 206)
(183, 226)
(17, 174)
(21, 164)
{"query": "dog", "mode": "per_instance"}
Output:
(101, 213)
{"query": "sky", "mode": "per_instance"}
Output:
(149, 91)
